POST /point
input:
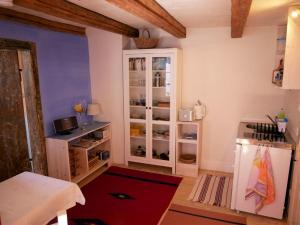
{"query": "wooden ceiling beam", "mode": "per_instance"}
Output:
(239, 14)
(72, 12)
(9, 14)
(154, 13)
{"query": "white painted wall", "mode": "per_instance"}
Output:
(105, 54)
(292, 109)
(231, 76)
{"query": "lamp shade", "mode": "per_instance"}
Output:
(93, 109)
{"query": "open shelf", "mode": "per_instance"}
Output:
(187, 164)
(162, 71)
(76, 157)
(161, 122)
(138, 137)
(161, 87)
(188, 150)
(163, 108)
(97, 166)
(187, 141)
(137, 121)
(160, 139)
(93, 144)
(138, 106)
(137, 86)
(137, 71)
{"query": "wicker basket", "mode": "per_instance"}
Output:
(145, 42)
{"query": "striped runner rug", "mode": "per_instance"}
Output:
(213, 190)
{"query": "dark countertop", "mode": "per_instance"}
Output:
(95, 125)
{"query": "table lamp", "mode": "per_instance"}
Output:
(93, 109)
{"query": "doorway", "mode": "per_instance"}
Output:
(22, 142)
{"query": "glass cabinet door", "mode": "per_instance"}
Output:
(137, 105)
(161, 97)
(161, 142)
(161, 88)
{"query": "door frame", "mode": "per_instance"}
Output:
(12, 44)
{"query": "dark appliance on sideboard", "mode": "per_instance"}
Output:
(64, 126)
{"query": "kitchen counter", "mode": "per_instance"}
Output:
(245, 136)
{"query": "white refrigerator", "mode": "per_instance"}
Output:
(244, 156)
(294, 203)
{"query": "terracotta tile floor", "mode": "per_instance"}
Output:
(185, 189)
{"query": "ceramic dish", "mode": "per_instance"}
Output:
(187, 158)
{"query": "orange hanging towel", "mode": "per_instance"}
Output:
(261, 183)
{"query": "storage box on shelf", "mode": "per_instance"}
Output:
(151, 97)
(74, 157)
(188, 148)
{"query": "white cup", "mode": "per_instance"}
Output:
(281, 126)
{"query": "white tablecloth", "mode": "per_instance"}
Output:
(33, 199)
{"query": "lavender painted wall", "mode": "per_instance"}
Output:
(63, 65)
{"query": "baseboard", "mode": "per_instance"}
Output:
(216, 166)
(206, 165)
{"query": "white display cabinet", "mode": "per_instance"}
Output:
(151, 99)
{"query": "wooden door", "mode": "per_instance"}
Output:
(33, 112)
(13, 144)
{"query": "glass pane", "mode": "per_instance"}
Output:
(161, 88)
(138, 139)
(137, 88)
(160, 142)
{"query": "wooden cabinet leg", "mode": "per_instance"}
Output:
(62, 218)
(173, 170)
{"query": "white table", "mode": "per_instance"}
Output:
(33, 199)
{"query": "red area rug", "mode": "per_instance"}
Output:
(122, 196)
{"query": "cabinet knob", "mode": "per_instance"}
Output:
(149, 107)
(146, 107)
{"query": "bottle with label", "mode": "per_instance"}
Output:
(157, 80)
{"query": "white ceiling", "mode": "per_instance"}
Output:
(107, 9)
(199, 13)
(191, 13)
(269, 12)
